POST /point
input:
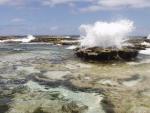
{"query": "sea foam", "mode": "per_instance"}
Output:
(145, 52)
(23, 40)
(26, 39)
(106, 34)
(148, 37)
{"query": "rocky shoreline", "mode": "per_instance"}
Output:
(35, 81)
(127, 52)
(61, 40)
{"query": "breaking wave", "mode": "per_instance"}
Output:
(104, 34)
(145, 52)
(23, 40)
(148, 37)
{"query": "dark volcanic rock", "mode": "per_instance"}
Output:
(97, 53)
(127, 54)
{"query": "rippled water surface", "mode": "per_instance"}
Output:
(43, 78)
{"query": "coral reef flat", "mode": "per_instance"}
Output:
(97, 53)
(48, 78)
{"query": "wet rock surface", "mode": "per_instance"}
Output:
(129, 51)
(139, 44)
(97, 53)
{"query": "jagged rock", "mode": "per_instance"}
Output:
(129, 50)
(97, 53)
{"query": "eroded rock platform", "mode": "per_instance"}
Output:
(97, 53)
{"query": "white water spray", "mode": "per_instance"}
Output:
(147, 50)
(26, 39)
(23, 40)
(104, 34)
(148, 37)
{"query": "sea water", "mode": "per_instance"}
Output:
(26, 69)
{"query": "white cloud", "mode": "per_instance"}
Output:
(129, 3)
(54, 28)
(11, 2)
(87, 5)
(17, 20)
(56, 2)
(4, 2)
(95, 5)
(59, 2)
(116, 4)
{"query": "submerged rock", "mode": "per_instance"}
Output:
(56, 75)
(4, 108)
(96, 53)
(132, 81)
(41, 99)
(4, 101)
(39, 110)
(74, 107)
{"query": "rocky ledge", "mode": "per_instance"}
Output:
(57, 40)
(62, 40)
(97, 53)
(129, 51)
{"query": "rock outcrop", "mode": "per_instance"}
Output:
(129, 51)
(97, 53)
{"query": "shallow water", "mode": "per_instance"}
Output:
(31, 72)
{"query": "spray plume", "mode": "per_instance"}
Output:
(104, 34)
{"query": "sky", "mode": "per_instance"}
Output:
(64, 17)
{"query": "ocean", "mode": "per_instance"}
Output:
(47, 78)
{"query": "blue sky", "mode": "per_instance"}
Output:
(60, 17)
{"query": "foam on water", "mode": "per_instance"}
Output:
(71, 47)
(145, 44)
(148, 37)
(67, 37)
(106, 34)
(26, 39)
(23, 40)
(145, 52)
